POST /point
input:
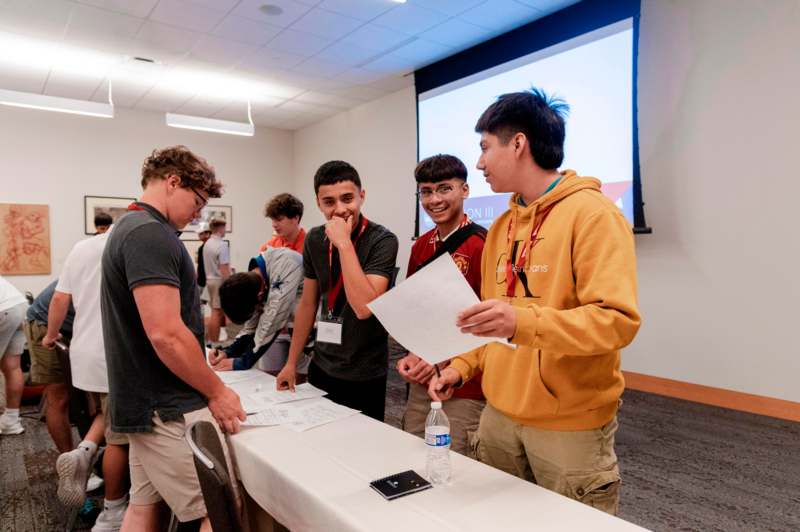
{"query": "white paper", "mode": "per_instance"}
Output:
(273, 415)
(231, 377)
(310, 414)
(421, 312)
(273, 396)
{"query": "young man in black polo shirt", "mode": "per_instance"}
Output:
(347, 263)
(159, 381)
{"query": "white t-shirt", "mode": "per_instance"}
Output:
(9, 295)
(81, 278)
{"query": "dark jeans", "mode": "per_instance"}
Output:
(367, 396)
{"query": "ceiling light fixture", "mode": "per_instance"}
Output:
(43, 102)
(212, 124)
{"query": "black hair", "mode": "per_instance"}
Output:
(102, 218)
(334, 172)
(239, 296)
(439, 168)
(535, 114)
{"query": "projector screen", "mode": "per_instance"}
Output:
(592, 72)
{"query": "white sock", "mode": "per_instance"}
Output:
(88, 446)
(113, 505)
(12, 414)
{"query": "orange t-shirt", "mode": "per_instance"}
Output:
(280, 242)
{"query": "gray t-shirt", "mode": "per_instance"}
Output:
(215, 252)
(144, 249)
(363, 354)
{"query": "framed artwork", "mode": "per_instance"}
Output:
(192, 246)
(212, 211)
(24, 239)
(94, 205)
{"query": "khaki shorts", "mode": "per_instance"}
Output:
(581, 465)
(113, 438)
(212, 287)
(463, 414)
(162, 466)
(45, 366)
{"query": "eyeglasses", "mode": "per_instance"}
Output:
(442, 190)
(203, 201)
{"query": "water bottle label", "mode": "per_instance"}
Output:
(437, 440)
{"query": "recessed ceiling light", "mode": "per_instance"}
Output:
(271, 10)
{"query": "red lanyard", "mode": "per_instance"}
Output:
(134, 207)
(335, 288)
(511, 268)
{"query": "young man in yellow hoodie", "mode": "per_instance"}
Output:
(559, 281)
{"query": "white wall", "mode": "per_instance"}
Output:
(380, 140)
(718, 117)
(56, 159)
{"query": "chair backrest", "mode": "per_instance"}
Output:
(215, 482)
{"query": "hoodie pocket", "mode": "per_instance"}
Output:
(549, 402)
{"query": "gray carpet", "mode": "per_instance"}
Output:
(685, 467)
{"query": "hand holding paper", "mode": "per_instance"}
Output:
(421, 313)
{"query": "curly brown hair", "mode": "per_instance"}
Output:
(194, 171)
(284, 205)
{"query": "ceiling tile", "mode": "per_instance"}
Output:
(98, 24)
(410, 19)
(391, 64)
(167, 38)
(35, 18)
(309, 108)
(449, 7)
(360, 9)
(297, 42)
(291, 11)
(124, 94)
(23, 78)
(326, 24)
(423, 51)
(330, 100)
(457, 34)
(548, 6)
(187, 15)
(343, 53)
(377, 38)
(245, 30)
(235, 112)
(501, 15)
(137, 8)
(221, 51)
(162, 100)
(394, 83)
(205, 106)
(319, 68)
(264, 61)
(359, 76)
(219, 5)
(72, 85)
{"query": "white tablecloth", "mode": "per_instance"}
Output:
(319, 481)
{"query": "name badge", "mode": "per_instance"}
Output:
(330, 331)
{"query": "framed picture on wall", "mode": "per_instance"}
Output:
(111, 205)
(24, 239)
(210, 212)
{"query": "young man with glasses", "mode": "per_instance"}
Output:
(559, 281)
(442, 188)
(159, 381)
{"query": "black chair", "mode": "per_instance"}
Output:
(215, 481)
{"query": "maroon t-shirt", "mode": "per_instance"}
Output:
(468, 259)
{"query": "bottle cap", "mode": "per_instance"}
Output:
(436, 405)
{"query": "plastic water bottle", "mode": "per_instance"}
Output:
(437, 438)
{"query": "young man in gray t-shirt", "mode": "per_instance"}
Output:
(217, 263)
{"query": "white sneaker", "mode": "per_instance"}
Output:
(94, 482)
(8, 427)
(73, 471)
(110, 519)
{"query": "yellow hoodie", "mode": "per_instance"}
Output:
(578, 311)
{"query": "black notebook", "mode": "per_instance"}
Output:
(404, 483)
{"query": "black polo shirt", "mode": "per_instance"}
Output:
(145, 249)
